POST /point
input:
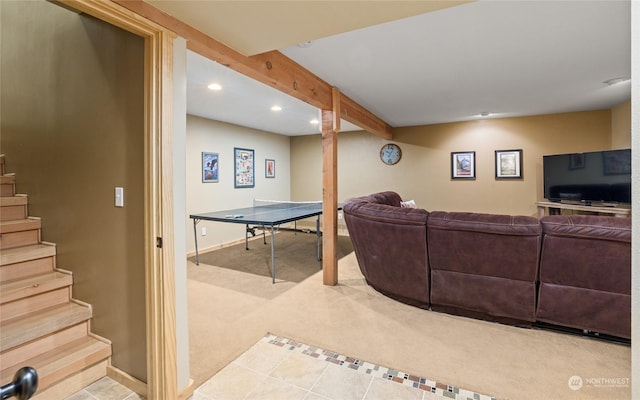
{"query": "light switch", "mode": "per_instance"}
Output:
(119, 197)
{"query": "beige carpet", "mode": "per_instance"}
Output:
(225, 319)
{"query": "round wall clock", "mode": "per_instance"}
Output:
(390, 154)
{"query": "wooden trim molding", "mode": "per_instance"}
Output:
(158, 215)
(127, 380)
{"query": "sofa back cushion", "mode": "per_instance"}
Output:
(503, 246)
(484, 265)
(597, 247)
(390, 244)
(585, 273)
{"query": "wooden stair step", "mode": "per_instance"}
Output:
(37, 302)
(18, 356)
(63, 361)
(7, 178)
(34, 285)
(7, 185)
(22, 262)
(14, 207)
(20, 232)
(17, 331)
(26, 253)
(18, 225)
(17, 200)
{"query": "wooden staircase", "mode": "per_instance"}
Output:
(41, 325)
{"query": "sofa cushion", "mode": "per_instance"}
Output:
(485, 244)
(597, 247)
(485, 265)
(585, 273)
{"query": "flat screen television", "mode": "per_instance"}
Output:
(592, 178)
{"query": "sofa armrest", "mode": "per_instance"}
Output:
(390, 244)
(386, 213)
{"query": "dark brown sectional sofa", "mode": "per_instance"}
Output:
(563, 271)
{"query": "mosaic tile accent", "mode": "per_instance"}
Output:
(378, 371)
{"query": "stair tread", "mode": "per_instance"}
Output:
(17, 225)
(17, 200)
(25, 253)
(20, 288)
(51, 365)
(8, 178)
(22, 329)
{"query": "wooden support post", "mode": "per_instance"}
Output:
(329, 198)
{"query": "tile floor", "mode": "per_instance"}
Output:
(280, 368)
(105, 389)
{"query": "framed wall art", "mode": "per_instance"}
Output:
(269, 168)
(244, 168)
(209, 167)
(463, 165)
(509, 164)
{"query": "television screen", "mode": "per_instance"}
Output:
(593, 177)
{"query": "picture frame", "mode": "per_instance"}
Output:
(210, 165)
(269, 168)
(463, 165)
(509, 164)
(244, 168)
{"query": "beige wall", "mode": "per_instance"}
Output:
(621, 126)
(204, 135)
(424, 172)
(72, 130)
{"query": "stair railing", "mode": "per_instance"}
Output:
(24, 385)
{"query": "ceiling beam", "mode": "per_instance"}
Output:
(271, 68)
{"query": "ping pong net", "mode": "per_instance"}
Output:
(287, 205)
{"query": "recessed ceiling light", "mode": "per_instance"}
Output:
(276, 108)
(615, 81)
(214, 86)
(306, 44)
(314, 122)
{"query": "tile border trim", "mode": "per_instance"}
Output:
(400, 377)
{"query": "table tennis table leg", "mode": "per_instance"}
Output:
(318, 238)
(195, 237)
(273, 258)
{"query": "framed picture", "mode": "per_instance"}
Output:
(463, 165)
(209, 167)
(269, 168)
(244, 168)
(509, 164)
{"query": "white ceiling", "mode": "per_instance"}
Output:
(509, 58)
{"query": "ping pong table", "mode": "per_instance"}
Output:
(266, 215)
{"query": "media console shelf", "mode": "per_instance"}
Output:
(552, 207)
